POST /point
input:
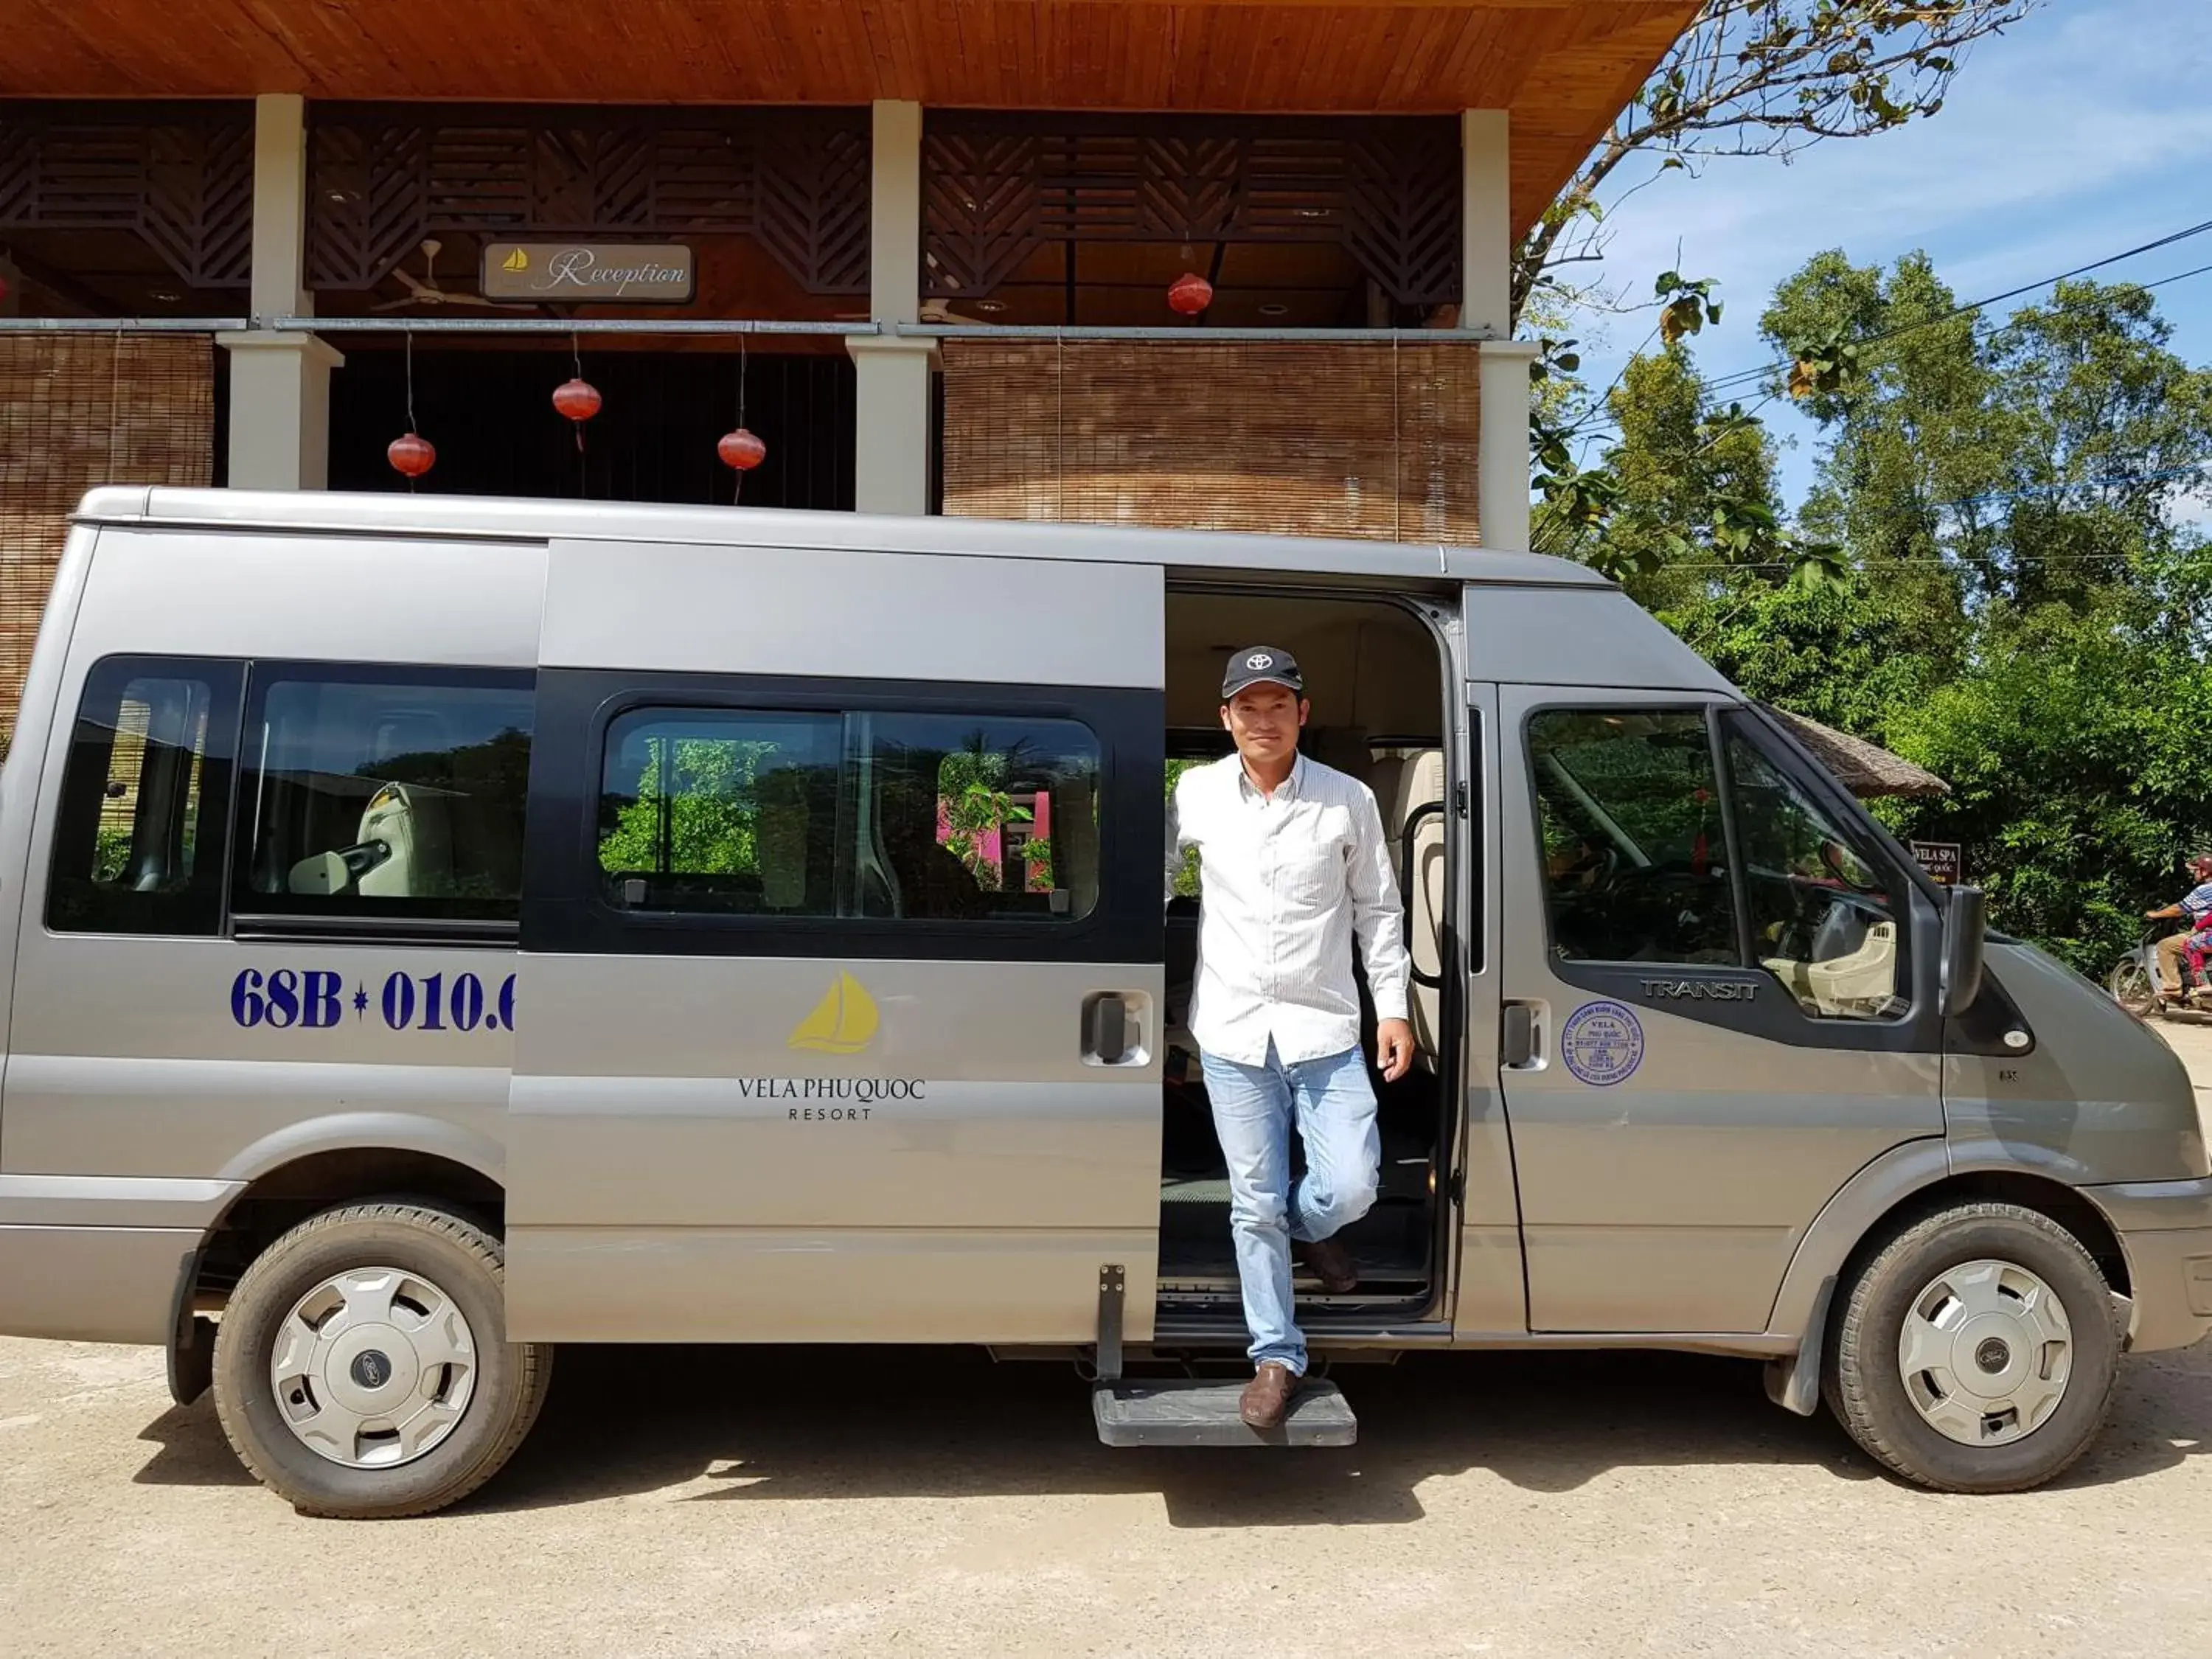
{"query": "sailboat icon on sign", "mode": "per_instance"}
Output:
(842, 1022)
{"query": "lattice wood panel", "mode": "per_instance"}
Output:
(78, 410)
(1564, 67)
(178, 177)
(997, 185)
(1357, 439)
(383, 177)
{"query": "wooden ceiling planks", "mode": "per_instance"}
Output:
(1548, 142)
(1564, 67)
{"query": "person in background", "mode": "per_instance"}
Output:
(2195, 907)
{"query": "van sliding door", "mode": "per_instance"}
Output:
(841, 950)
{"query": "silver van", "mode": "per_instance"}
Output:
(434, 929)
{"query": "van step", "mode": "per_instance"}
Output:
(1187, 1411)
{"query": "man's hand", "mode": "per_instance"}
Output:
(1394, 1045)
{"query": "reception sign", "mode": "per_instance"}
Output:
(659, 273)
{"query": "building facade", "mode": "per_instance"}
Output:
(933, 254)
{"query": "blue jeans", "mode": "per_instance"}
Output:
(1253, 1106)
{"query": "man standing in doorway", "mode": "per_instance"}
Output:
(1293, 865)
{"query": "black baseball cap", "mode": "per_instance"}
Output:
(1261, 665)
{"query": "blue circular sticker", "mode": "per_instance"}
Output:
(1602, 1044)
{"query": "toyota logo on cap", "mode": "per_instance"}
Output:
(1253, 664)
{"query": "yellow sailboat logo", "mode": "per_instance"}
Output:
(842, 1022)
(518, 260)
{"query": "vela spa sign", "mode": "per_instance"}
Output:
(656, 273)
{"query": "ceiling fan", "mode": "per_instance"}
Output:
(425, 291)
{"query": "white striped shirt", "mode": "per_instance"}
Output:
(1287, 883)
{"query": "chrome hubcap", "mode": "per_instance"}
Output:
(373, 1367)
(1985, 1352)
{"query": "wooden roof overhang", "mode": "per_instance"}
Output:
(1562, 68)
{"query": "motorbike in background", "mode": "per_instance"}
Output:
(2135, 986)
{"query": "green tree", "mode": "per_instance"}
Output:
(2026, 613)
(1695, 485)
(2076, 755)
(696, 809)
(1686, 484)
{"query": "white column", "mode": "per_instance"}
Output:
(891, 399)
(1487, 268)
(280, 381)
(1485, 227)
(1502, 445)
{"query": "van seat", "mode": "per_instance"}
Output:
(1854, 986)
(409, 821)
(1418, 783)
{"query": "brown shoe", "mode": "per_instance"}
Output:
(1266, 1397)
(1332, 1264)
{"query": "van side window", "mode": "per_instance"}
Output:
(138, 839)
(872, 815)
(1634, 847)
(1822, 906)
(384, 793)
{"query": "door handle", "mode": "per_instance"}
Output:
(1108, 1036)
(1521, 1045)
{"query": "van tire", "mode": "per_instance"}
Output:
(1864, 1383)
(460, 1258)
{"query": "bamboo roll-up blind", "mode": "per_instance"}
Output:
(78, 410)
(1362, 438)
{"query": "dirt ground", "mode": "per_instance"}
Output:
(817, 1502)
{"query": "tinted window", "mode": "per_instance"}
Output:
(385, 794)
(1635, 861)
(729, 811)
(139, 841)
(1823, 910)
(864, 814)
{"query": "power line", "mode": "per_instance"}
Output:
(1706, 388)
(1753, 376)
(2098, 482)
(1988, 497)
(1929, 561)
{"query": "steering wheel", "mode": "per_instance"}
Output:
(1592, 874)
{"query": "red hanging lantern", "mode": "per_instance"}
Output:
(411, 454)
(577, 399)
(1190, 293)
(741, 450)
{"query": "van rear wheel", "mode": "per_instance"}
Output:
(363, 1370)
(1977, 1352)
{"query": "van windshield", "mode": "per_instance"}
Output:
(1637, 866)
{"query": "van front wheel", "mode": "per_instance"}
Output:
(363, 1370)
(1977, 1352)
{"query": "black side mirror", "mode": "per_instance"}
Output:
(1966, 928)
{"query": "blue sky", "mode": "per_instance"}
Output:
(2085, 130)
